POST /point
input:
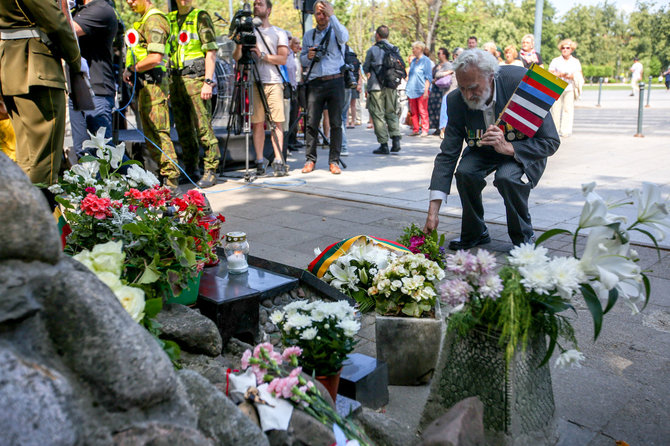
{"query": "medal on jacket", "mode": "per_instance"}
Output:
(184, 37)
(132, 37)
(510, 133)
(474, 137)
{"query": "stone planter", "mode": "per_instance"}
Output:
(409, 346)
(518, 397)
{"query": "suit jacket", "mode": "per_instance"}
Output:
(29, 62)
(532, 152)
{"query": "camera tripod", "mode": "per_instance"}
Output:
(242, 109)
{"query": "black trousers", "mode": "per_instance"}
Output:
(293, 117)
(327, 95)
(474, 167)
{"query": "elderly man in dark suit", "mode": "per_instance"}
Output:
(483, 90)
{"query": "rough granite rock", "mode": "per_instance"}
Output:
(16, 290)
(385, 431)
(161, 434)
(218, 416)
(101, 343)
(462, 425)
(214, 369)
(191, 330)
(29, 231)
(35, 402)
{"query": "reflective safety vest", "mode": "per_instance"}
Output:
(186, 45)
(133, 38)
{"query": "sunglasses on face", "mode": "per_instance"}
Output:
(566, 48)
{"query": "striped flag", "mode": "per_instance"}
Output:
(320, 265)
(532, 100)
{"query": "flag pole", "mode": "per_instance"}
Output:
(510, 98)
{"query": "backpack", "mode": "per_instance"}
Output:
(392, 70)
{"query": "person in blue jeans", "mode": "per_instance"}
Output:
(95, 23)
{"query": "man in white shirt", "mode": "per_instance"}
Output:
(271, 51)
(635, 79)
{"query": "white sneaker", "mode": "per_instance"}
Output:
(344, 152)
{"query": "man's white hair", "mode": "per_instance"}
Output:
(484, 61)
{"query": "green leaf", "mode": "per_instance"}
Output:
(150, 274)
(64, 202)
(134, 228)
(647, 290)
(611, 299)
(88, 158)
(129, 162)
(152, 307)
(653, 239)
(553, 337)
(550, 233)
(592, 302)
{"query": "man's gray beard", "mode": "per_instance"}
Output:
(479, 104)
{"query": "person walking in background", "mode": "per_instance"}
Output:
(637, 69)
(418, 89)
(511, 57)
(443, 74)
(528, 55)
(666, 73)
(382, 100)
(444, 118)
(566, 67)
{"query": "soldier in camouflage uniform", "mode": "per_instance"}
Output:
(147, 43)
(192, 61)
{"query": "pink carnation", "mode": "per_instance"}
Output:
(286, 355)
(415, 242)
(265, 346)
(245, 359)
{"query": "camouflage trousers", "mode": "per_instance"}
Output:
(154, 115)
(193, 119)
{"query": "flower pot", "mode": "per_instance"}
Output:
(188, 295)
(331, 383)
(409, 346)
(518, 397)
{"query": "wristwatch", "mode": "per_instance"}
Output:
(208, 81)
(263, 55)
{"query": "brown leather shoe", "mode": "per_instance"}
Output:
(335, 169)
(309, 166)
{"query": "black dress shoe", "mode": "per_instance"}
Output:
(457, 244)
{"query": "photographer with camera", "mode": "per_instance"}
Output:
(271, 51)
(323, 56)
(192, 62)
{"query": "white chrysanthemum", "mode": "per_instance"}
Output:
(569, 358)
(276, 317)
(537, 278)
(295, 306)
(490, 286)
(567, 275)
(298, 321)
(350, 327)
(528, 254)
(308, 334)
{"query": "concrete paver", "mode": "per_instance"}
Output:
(622, 391)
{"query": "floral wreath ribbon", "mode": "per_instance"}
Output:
(320, 265)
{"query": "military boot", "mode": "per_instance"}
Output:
(208, 179)
(172, 184)
(395, 147)
(383, 149)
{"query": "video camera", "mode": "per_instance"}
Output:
(242, 27)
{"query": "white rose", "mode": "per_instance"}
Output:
(111, 280)
(108, 257)
(132, 300)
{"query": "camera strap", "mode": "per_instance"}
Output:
(326, 38)
(284, 80)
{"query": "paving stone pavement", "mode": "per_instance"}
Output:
(622, 391)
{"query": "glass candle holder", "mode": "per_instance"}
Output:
(236, 250)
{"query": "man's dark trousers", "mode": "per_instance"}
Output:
(328, 94)
(470, 175)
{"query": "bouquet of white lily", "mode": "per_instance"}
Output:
(534, 289)
(352, 272)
